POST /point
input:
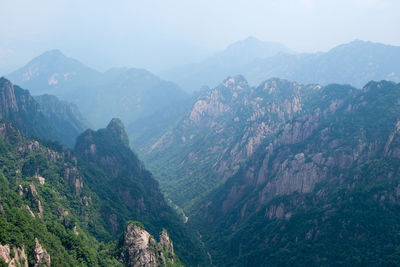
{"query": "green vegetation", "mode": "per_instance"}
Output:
(72, 213)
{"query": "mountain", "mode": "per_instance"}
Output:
(44, 117)
(224, 63)
(128, 191)
(129, 94)
(354, 63)
(53, 73)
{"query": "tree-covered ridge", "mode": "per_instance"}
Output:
(53, 198)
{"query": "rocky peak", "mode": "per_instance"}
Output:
(237, 82)
(165, 242)
(141, 249)
(42, 257)
(117, 129)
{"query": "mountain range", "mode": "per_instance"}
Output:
(254, 171)
(125, 93)
(286, 173)
(354, 63)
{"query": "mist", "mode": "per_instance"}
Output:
(159, 35)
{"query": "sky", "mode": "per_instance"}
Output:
(159, 34)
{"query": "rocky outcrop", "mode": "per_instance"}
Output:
(141, 249)
(165, 242)
(14, 257)
(42, 257)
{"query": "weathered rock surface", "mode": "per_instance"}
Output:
(141, 249)
(42, 257)
(18, 258)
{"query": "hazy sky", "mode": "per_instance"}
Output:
(156, 34)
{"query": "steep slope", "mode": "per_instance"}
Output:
(323, 191)
(223, 63)
(63, 116)
(47, 212)
(128, 191)
(125, 93)
(223, 128)
(354, 63)
(44, 117)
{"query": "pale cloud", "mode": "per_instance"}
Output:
(309, 4)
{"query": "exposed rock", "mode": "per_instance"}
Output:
(42, 257)
(30, 211)
(32, 191)
(39, 179)
(75, 229)
(7, 98)
(165, 242)
(40, 209)
(19, 258)
(141, 249)
(62, 212)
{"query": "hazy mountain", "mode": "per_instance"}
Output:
(45, 116)
(125, 93)
(355, 63)
(64, 117)
(224, 63)
(53, 73)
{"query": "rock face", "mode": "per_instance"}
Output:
(165, 242)
(41, 256)
(141, 249)
(222, 130)
(18, 258)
